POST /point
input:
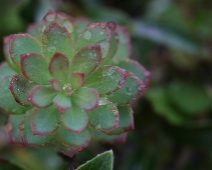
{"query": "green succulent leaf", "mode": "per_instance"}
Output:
(131, 89)
(77, 79)
(44, 121)
(32, 29)
(41, 96)
(21, 44)
(5, 70)
(56, 84)
(87, 59)
(74, 140)
(59, 67)
(86, 98)
(7, 101)
(20, 87)
(102, 161)
(56, 38)
(74, 119)
(105, 117)
(106, 79)
(35, 68)
(62, 102)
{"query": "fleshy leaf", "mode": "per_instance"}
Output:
(126, 122)
(28, 138)
(105, 117)
(41, 96)
(56, 38)
(86, 98)
(57, 85)
(77, 79)
(136, 68)
(102, 161)
(44, 121)
(7, 101)
(74, 140)
(35, 68)
(65, 150)
(5, 70)
(106, 79)
(131, 89)
(32, 29)
(95, 34)
(20, 87)
(21, 44)
(59, 67)
(87, 59)
(62, 102)
(74, 119)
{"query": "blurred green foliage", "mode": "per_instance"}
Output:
(172, 39)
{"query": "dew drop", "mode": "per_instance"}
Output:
(101, 33)
(50, 17)
(98, 127)
(87, 35)
(128, 91)
(69, 26)
(21, 127)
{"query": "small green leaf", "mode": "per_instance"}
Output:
(86, 98)
(105, 117)
(20, 87)
(102, 161)
(77, 79)
(32, 29)
(5, 70)
(41, 96)
(87, 59)
(21, 44)
(62, 102)
(74, 119)
(35, 68)
(56, 84)
(106, 79)
(56, 38)
(44, 121)
(59, 67)
(7, 101)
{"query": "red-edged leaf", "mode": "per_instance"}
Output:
(59, 67)
(126, 121)
(41, 96)
(74, 140)
(44, 121)
(106, 79)
(35, 68)
(5, 70)
(105, 117)
(87, 59)
(56, 38)
(28, 138)
(86, 98)
(56, 84)
(64, 149)
(62, 102)
(74, 119)
(77, 79)
(21, 44)
(20, 87)
(33, 29)
(132, 88)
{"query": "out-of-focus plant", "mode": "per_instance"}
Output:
(69, 80)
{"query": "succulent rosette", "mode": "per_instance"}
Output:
(69, 80)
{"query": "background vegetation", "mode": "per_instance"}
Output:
(173, 40)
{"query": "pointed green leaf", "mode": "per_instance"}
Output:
(126, 122)
(74, 119)
(41, 96)
(44, 121)
(86, 98)
(95, 34)
(87, 59)
(35, 68)
(105, 117)
(20, 87)
(77, 79)
(106, 79)
(5, 70)
(21, 44)
(132, 88)
(102, 161)
(7, 101)
(59, 67)
(56, 38)
(62, 102)
(74, 140)
(28, 138)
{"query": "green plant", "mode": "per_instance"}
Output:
(69, 81)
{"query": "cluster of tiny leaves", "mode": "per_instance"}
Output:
(69, 80)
